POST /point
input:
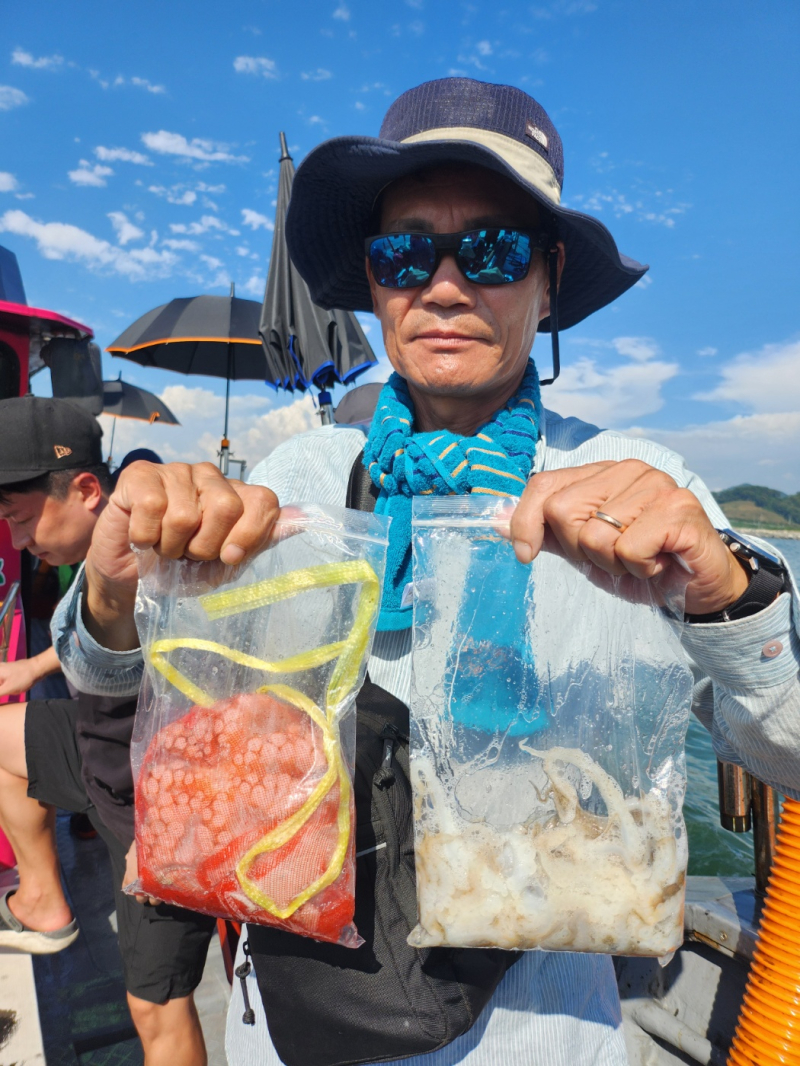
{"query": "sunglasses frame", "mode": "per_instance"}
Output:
(444, 243)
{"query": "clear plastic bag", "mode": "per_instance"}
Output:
(548, 715)
(244, 736)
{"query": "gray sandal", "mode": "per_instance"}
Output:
(18, 937)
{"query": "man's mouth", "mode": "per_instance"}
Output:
(449, 337)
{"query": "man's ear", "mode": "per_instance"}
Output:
(544, 307)
(88, 488)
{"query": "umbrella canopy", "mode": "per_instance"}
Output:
(123, 400)
(304, 344)
(212, 335)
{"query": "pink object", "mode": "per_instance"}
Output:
(7, 857)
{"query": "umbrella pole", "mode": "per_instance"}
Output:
(111, 446)
(225, 446)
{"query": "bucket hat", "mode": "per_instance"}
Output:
(450, 120)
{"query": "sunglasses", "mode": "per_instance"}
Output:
(484, 256)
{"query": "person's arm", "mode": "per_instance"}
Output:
(20, 676)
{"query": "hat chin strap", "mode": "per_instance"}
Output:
(553, 265)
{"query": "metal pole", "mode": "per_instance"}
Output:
(766, 814)
(735, 791)
(111, 446)
(284, 149)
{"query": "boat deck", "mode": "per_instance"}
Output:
(82, 1017)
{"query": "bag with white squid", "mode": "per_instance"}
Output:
(244, 736)
(548, 715)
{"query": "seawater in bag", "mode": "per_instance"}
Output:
(548, 713)
(244, 736)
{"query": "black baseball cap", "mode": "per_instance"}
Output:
(38, 434)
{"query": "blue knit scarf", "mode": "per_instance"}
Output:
(496, 461)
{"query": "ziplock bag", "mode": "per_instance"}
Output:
(244, 735)
(548, 714)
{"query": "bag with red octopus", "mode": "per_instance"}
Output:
(244, 737)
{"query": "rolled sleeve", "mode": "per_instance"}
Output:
(753, 665)
(90, 667)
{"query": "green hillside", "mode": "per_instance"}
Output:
(756, 505)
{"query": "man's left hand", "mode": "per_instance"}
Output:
(660, 521)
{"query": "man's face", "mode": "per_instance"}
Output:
(452, 338)
(58, 531)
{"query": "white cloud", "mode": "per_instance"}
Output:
(61, 240)
(90, 174)
(756, 449)
(258, 425)
(198, 148)
(320, 74)
(143, 83)
(174, 194)
(124, 228)
(609, 396)
(654, 206)
(255, 220)
(122, 155)
(21, 58)
(267, 68)
(765, 382)
(181, 245)
(638, 348)
(316, 120)
(342, 13)
(8, 183)
(255, 285)
(11, 97)
(206, 223)
(484, 48)
(707, 351)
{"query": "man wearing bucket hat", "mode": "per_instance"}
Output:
(449, 226)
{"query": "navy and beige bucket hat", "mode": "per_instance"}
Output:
(451, 120)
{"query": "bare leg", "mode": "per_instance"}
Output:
(170, 1032)
(39, 902)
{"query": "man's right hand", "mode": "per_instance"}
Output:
(180, 511)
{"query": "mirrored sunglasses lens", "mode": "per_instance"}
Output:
(402, 261)
(495, 257)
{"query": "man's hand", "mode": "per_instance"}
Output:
(21, 675)
(660, 521)
(132, 872)
(180, 511)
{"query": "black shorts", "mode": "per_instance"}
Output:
(163, 948)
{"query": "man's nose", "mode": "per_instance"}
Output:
(448, 287)
(19, 539)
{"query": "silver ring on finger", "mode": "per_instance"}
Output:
(615, 522)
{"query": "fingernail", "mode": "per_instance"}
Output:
(232, 554)
(523, 551)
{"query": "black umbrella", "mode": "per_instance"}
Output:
(304, 344)
(212, 335)
(123, 400)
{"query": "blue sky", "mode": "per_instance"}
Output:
(138, 162)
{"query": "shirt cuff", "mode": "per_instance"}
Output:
(93, 652)
(759, 651)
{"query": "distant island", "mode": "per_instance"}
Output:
(756, 509)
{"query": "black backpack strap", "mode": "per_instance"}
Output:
(362, 492)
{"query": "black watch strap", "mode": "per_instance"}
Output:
(766, 583)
